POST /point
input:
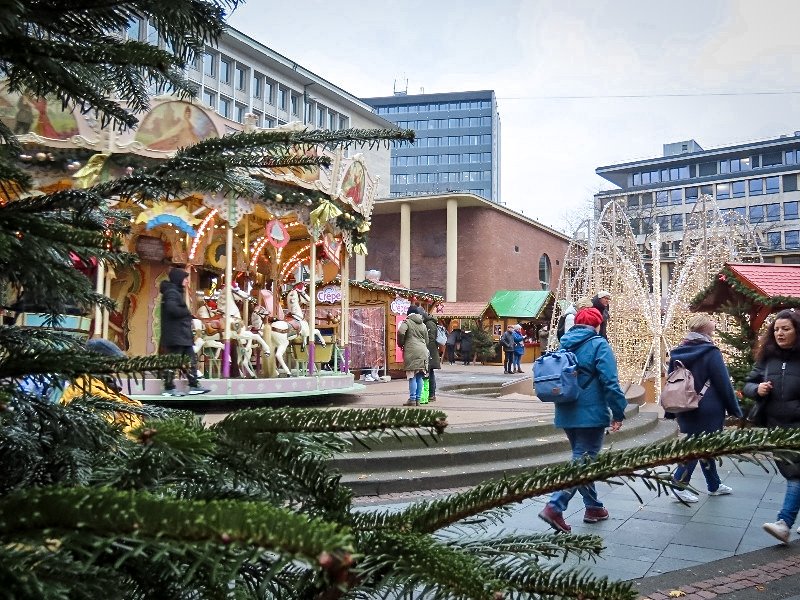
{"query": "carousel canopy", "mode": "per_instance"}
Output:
(520, 303)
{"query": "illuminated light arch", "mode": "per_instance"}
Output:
(296, 258)
(201, 232)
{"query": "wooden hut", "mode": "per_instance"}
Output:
(530, 308)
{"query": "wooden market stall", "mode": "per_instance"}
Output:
(376, 310)
(530, 308)
(460, 317)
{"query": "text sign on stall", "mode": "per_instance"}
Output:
(399, 306)
(330, 294)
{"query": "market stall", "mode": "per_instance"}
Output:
(531, 309)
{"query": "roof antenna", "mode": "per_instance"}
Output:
(404, 90)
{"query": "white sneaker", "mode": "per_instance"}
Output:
(722, 490)
(778, 529)
(686, 496)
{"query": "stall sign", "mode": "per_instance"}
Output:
(330, 294)
(150, 248)
(399, 306)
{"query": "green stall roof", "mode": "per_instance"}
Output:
(520, 303)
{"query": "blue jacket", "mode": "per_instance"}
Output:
(519, 347)
(705, 362)
(601, 397)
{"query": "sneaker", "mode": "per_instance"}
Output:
(369, 377)
(686, 496)
(778, 529)
(196, 390)
(172, 394)
(722, 490)
(432, 399)
(554, 518)
(411, 402)
(594, 514)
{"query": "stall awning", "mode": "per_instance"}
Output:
(520, 303)
(460, 310)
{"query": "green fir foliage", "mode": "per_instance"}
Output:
(246, 508)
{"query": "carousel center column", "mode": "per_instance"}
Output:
(226, 352)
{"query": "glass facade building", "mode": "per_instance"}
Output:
(457, 146)
(756, 181)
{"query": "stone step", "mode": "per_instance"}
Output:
(419, 474)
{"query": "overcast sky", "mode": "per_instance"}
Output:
(579, 84)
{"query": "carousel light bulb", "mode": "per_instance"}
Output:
(128, 170)
(41, 156)
(278, 198)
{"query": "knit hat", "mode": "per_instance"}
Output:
(588, 316)
(604, 294)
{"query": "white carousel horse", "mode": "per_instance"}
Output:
(203, 340)
(299, 326)
(280, 334)
(245, 338)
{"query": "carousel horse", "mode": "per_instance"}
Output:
(279, 336)
(295, 323)
(245, 338)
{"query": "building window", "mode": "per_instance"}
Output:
(792, 239)
(707, 190)
(208, 65)
(225, 107)
(258, 117)
(771, 159)
(152, 34)
(269, 122)
(225, 71)
(134, 29)
(343, 123)
(773, 212)
(707, 169)
(774, 240)
(633, 201)
(332, 120)
(663, 222)
(723, 191)
(757, 213)
(241, 78)
(258, 83)
(676, 222)
(756, 186)
(210, 99)
(269, 91)
(676, 197)
(647, 199)
(544, 271)
(738, 189)
(295, 105)
(241, 109)
(790, 210)
(790, 183)
(662, 198)
(692, 194)
(283, 98)
(320, 117)
(773, 185)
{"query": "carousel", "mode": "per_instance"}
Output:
(254, 265)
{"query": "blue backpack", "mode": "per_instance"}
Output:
(555, 375)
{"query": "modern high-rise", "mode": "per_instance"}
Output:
(758, 181)
(240, 75)
(457, 147)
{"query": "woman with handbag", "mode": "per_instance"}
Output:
(698, 353)
(775, 382)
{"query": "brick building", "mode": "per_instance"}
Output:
(462, 246)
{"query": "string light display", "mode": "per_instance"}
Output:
(201, 232)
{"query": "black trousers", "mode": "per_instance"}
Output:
(451, 353)
(508, 360)
(191, 375)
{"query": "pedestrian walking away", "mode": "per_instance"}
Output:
(176, 331)
(775, 382)
(698, 353)
(433, 349)
(600, 405)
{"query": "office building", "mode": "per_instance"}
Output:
(457, 148)
(758, 181)
(240, 75)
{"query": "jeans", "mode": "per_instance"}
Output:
(415, 386)
(683, 473)
(191, 374)
(585, 442)
(508, 360)
(516, 362)
(791, 502)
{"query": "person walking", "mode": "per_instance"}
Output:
(601, 302)
(600, 406)
(433, 348)
(412, 337)
(176, 331)
(519, 348)
(453, 338)
(698, 353)
(507, 344)
(775, 381)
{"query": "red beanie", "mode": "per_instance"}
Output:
(588, 316)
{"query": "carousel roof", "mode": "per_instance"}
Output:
(520, 303)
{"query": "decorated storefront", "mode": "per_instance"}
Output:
(531, 309)
(244, 255)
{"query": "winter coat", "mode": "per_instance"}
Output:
(454, 337)
(600, 399)
(466, 345)
(603, 311)
(783, 402)
(705, 362)
(507, 341)
(519, 346)
(433, 348)
(176, 318)
(412, 337)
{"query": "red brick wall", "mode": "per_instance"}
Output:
(487, 260)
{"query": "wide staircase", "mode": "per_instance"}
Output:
(468, 455)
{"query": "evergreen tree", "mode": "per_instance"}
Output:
(246, 508)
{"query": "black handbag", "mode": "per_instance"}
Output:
(757, 415)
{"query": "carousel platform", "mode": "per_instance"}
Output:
(249, 390)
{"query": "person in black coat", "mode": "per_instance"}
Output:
(434, 362)
(453, 339)
(601, 302)
(176, 331)
(775, 381)
(703, 358)
(466, 347)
